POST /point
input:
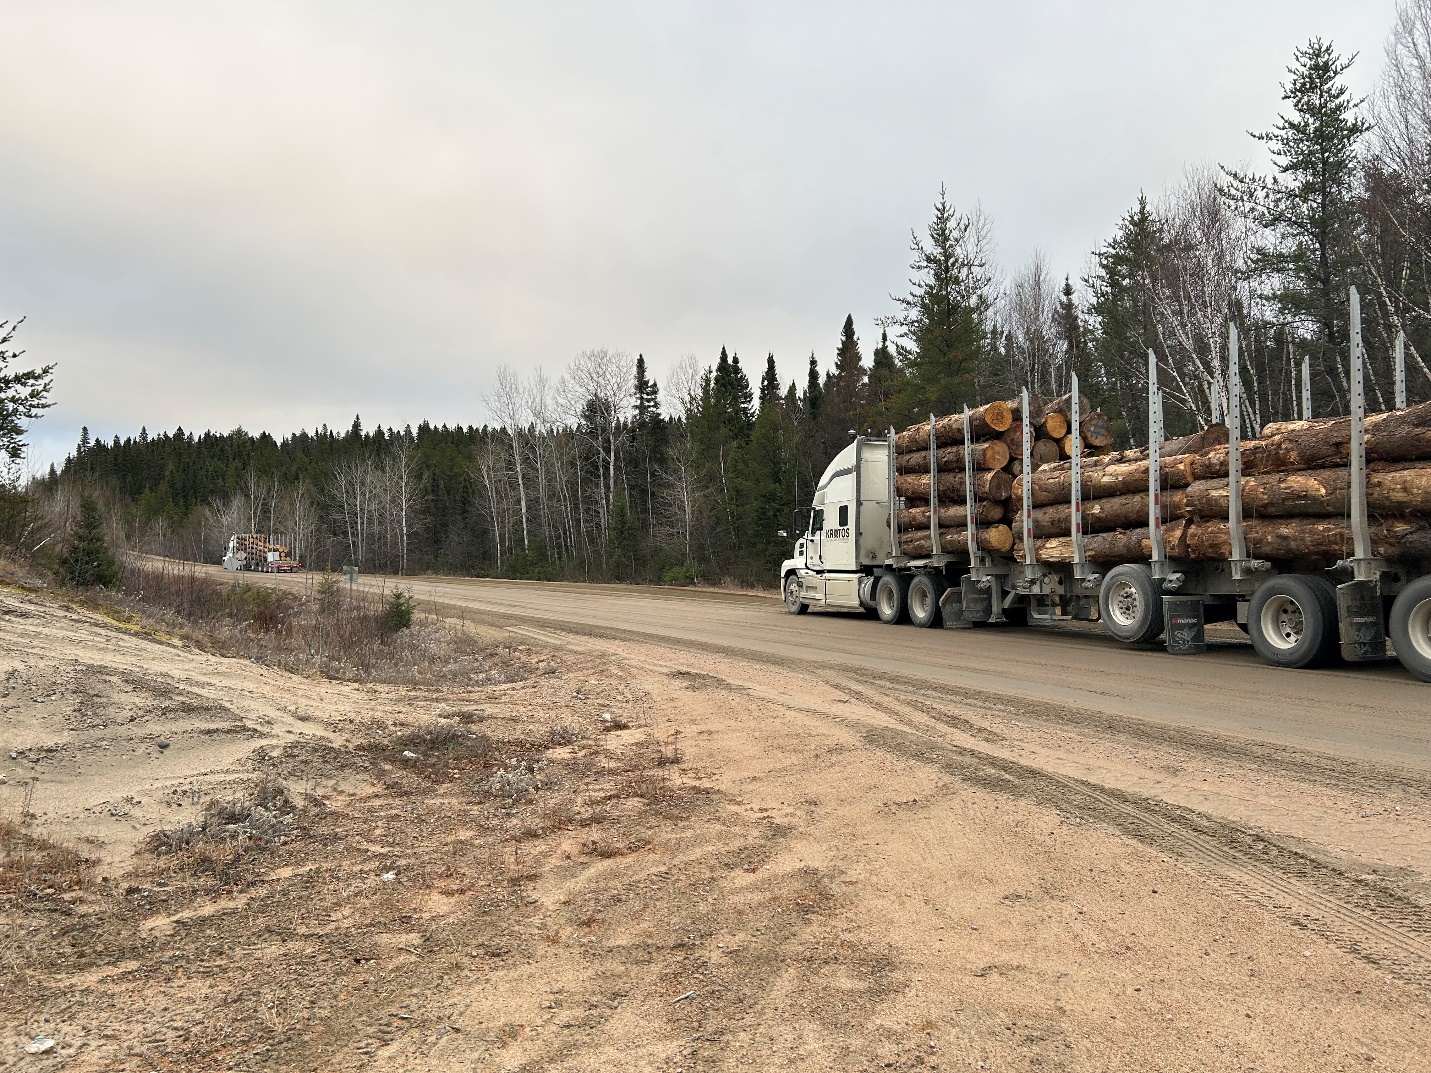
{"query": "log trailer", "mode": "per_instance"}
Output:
(1299, 611)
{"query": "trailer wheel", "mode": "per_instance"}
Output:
(1411, 628)
(924, 593)
(1292, 620)
(793, 603)
(892, 598)
(1130, 603)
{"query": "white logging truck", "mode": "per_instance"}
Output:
(1315, 537)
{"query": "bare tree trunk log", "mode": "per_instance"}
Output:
(1392, 436)
(1124, 546)
(1307, 538)
(986, 421)
(985, 511)
(1097, 432)
(1199, 442)
(1054, 484)
(1064, 406)
(1065, 446)
(1036, 409)
(991, 455)
(995, 538)
(1043, 452)
(988, 484)
(1055, 426)
(1391, 488)
(1103, 515)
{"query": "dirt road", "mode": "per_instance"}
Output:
(822, 843)
(1370, 712)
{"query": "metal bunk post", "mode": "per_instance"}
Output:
(1306, 389)
(1359, 610)
(1401, 370)
(1080, 564)
(1031, 569)
(894, 553)
(935, 550)
(1242, 566)
(1159, 561)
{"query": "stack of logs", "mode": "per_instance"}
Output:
(1295, 489)
(997, 456)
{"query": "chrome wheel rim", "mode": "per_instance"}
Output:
(919, 601)
(792, 592)
(1418, 628)
(886, 600)
(1283, 622)
(1125, 604)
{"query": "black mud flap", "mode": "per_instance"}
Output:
(1184, 632)
(978, 601)
(1360, 621)
(951, 608)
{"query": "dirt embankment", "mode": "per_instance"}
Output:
(619, 855)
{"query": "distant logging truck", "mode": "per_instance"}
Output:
(255, 551)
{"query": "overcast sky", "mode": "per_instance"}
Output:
(279, 215)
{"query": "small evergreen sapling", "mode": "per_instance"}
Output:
(87, 560)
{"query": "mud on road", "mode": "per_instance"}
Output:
(724, 859)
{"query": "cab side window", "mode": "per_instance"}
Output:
(844, 516)
(817, 521)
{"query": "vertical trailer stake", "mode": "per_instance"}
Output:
(896, 558)
(1242, 566)
(1159, 561)
(1359, 610)
(1080, 564)
(1306, 389)
(935, 549)
(1031, 569)
(1401, 370)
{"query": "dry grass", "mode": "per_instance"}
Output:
(33, 866)
(315, 631)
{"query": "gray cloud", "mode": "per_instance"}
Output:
(278, 215)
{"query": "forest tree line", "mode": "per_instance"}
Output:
(601, 473)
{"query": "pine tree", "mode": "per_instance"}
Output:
(24, 396)
(87, 560)
(814, 393)
(769, 382)
(882, 390)
(1068, 325)
(1308, 209)
(1124, 274)
(944, 319)
(844, 392)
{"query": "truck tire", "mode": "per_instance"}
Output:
(1410, 628)
(1292, 620)
(793, 603)
(1130, 603)
(892, 598)
(924, 593)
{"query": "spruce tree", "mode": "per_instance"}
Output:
(769, 382)
(1308, 209)
(814, 393)
(1125, 272)
(1068, 326)
(87, 560)
(882, 390)
(944, 319)
(24, 396)
(844, 392)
